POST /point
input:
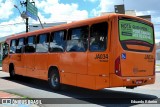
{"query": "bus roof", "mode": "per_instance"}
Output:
(74, 24)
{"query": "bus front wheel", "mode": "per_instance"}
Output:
(54, 79)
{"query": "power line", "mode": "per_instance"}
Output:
(147, 10)
(11, 24)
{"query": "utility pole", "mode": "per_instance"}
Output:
(26, 24)
(26, 18)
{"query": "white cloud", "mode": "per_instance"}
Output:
(60, 12)
(6, 9)
(12, 28)
(156, 20)
(104, 6)
(157, 36)
(157, 40)
(141, 13)
(45, 3)
(155, 17)
(90, 1)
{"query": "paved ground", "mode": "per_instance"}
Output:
(158, 68)
(34, 88)
(38, 89)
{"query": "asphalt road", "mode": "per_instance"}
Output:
(71, 96)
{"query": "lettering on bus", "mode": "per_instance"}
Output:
(102, 57)
(136, 70)
(150, 58)
(131, 30)
(126, 26)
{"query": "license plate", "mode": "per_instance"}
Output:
(139, 82)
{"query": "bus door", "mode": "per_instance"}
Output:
(30, 56)
(5, 58)
(41, 56)
(20, 57)
(16, 49)
(74, 60)
(98, 55)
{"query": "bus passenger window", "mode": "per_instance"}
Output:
(13, 47)
(42, 43)
(30, 44)
(77, 39)
(98, 37)
(57, 41)
(20, 46)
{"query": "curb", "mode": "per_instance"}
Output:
(8, 95)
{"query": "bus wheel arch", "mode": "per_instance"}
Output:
(12, 71)
(54, 78)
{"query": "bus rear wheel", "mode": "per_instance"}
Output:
(54, 79)
(12, 73)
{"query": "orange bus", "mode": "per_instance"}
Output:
(114, 50)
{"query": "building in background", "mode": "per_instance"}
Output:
(158, 51)
(147, 17)
(45, 25)
(120, 9)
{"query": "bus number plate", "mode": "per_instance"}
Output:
(139, 82)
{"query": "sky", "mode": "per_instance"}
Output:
(51, 11)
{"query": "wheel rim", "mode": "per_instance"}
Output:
(54, 80)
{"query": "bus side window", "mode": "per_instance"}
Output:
(57, 41)
(30, 44)
(98, 36)
(20, 46)
(13, 46)
(42, 43)
(77, 39)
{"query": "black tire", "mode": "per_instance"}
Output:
(54, 79)
(12, 73)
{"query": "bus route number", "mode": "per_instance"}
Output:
(102, 57)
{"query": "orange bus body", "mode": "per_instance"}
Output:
(113, 67)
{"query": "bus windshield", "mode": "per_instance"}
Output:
(134, 33)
